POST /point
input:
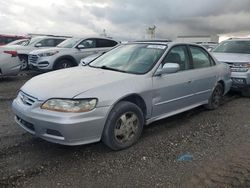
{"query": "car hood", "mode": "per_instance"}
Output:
(232, 57)
(68, 83)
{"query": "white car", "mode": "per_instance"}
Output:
(9, 63)
(69, 53)
(35, 43)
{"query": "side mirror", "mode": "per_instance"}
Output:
(80, 46)
(168, 68)
(38, 45)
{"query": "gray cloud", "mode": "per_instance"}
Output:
(125, 19)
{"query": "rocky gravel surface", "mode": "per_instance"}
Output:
(218, 141)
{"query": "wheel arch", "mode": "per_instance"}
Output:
(137, 100)
(68, 57)
(223, 84)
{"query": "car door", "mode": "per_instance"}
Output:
(204, 73)
(173, 92)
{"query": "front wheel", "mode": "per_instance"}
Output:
(124, 126)
(216, 97)
(63, 64)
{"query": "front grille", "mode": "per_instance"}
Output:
(33, 59)
(27, 99)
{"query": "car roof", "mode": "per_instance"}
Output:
(238, 39)
(162, 42)
(92, 37)
(44, 37)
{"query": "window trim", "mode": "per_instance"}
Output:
(189, 58)
(94, 39)
(211, 60)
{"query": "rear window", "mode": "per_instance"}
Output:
(102, 43)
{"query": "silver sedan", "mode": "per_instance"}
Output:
(113, 97)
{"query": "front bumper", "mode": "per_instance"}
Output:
(240, 81)
(61, 128)
(41, 63)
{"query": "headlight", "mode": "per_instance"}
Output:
(240, 67)
(68, 105)
(45, 54)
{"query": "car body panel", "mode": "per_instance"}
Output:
(9, 66)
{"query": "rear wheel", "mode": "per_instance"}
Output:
(63, 64)
(216, 97)
(124, 126)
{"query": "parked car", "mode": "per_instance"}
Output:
(126, 88)
(68, 53)
(236, 53)
(22, 42)
(35, 43)
(9, 63)
(5, 39)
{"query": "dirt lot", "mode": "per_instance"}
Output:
(219, 142)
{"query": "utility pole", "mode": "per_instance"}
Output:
(150, 31)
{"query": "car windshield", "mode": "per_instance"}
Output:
(242, 47)
(69, 43)
(130, 58)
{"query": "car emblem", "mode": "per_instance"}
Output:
(24, 98)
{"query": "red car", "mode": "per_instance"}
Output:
(5, 39)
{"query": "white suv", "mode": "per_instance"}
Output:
(34, 43)
(236, 53)
(68, 53)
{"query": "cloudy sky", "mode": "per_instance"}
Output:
(125, 19)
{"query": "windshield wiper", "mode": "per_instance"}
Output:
(110, 68)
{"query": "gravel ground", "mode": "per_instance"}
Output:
(218, 141)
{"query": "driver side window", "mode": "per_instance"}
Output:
(89, 43)
(179, 55)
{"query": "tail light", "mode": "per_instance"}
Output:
(11, 52)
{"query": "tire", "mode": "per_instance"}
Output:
(124, 126)
(246, 93)
(63, 64)
(216, 98)
(24, 62)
